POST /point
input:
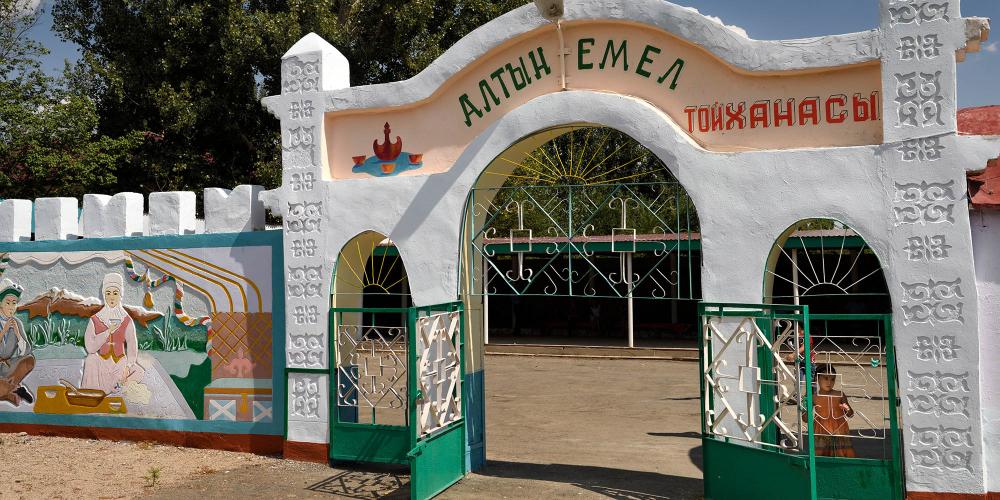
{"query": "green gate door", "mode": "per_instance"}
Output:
(769, 429)
(756, 445)
(398, 379)
(370, 421)
(437, 454)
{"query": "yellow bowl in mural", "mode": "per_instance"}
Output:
(55, 399)
(388, 168)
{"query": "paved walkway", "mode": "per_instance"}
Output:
(589, 428)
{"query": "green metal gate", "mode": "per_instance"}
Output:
(437, 451)
(760, 407)
(398, 391)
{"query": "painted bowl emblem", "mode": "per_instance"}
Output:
(389, 158)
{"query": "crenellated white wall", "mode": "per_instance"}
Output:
(122, 214)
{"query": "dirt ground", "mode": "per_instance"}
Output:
(556, 428)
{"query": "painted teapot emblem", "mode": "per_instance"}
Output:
(389, 159)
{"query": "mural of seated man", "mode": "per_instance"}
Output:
(110, 340)
(16, 360)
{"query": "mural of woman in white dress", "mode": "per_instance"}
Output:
(110, 340)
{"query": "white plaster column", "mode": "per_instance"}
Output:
(986, 241)
(232, 211)
(933, 287)
(57, 219)
(15, 220)
(311, 67)
(106, 216)
(173, 212)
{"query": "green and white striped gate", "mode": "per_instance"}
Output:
(758, 391)
(399, 399)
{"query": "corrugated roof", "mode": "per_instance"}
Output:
(984, 186)
(984, 120)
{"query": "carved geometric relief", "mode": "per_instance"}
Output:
(917, 12)
(303, 181)
(938, 349)
(941, 448)
(920, 99)
(299, 74)
(300, 110)
(304, 217)
(304, 248)
(938, 404)
(932, 302)
(304, 281)
(938, 393)
(304, 395)
(927, 248)
(924, 203)
(923, 149)
(297, 145)
(919, 47)
(305, 349)
(305, 315)
(939, 381)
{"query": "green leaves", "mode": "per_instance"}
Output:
(167, 93)
(49, 144)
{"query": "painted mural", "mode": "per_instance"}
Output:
(171, 333)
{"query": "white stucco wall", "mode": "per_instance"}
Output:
(986, 241)
(904, 197)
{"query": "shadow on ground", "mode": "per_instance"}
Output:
(614, 483)
(365, 484)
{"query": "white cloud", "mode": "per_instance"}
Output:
(991, 47)
(735, 29)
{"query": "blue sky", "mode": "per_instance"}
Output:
(978, 76)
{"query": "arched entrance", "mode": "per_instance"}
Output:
(760, 133)
(397, 370)
(825, 272)
(561, 230)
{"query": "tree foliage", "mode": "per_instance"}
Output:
(189, 75)
(48, 142)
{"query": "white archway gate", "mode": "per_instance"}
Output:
(869, 140)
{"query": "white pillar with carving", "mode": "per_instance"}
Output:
(311, 67)
(932, 285)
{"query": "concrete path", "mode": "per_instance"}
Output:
(589, 428)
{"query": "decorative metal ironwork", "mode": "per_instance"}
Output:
(577, 240)
(579, 163)
(381, 273)
(371, 367)
(741, 393)
(439, 371)
(822, 263)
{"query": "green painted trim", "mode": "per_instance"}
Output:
(810, 422)
(364, 443)
(249, 238)
(279, 358)
(898, 492)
